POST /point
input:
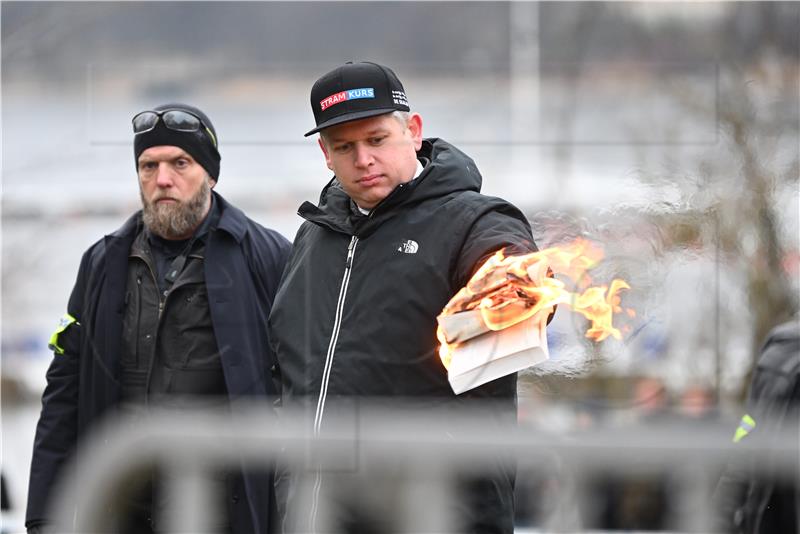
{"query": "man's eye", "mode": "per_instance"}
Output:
(341, 149)
(181, 163)
(377, 140)
(147, 166)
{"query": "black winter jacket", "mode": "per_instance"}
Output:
(355, 314)
(243, 265)
(748, 502)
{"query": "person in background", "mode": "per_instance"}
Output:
(748, 500)
(638, 500)
(168, 310)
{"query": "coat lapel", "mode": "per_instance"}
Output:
(111, 309)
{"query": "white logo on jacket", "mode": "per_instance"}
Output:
(408, 246)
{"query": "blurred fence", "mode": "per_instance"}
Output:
(408, 459)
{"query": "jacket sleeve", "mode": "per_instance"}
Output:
(502, 226)
(268, 258)
(57, 429)
(772, 401)
(268, 255)
(291, 250)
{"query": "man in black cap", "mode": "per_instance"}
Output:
(167, 310)
(398, 230)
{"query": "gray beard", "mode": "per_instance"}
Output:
(176, 221)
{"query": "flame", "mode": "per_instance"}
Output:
(445, 349)
(510, 289)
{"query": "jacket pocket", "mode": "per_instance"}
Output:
(187, 338)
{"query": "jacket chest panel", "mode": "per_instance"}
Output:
(401, 262)
(168, 333)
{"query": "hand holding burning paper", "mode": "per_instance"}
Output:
(495, 325)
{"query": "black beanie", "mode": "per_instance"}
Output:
(197, 144)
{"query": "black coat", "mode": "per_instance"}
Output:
(355, 314)
(746, 501)
(243, 265)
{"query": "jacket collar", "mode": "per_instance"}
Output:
(232, 219)
(448, 171)
(129, 228)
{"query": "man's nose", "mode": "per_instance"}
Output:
(164, 175)
(363, 156)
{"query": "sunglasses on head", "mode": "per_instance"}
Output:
(174, 119)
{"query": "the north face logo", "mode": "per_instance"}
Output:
(408, 247)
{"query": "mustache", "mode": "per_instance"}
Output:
(172, 220)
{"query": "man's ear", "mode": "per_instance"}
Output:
(415, 127)
(325, 151)
(211, 182)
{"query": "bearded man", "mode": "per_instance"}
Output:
(169, 309)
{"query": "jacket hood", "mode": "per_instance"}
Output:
(787, 331)
(447, 171)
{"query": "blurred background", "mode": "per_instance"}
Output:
(667, 133)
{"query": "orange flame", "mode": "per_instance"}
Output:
(445, 348)
(510, 289)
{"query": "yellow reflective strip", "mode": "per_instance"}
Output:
(211, 135)
(53, 344)
(745, 426)
(63, 323)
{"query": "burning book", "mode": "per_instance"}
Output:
(495, 325)
(492, 354)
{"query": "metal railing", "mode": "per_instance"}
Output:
(419, 453)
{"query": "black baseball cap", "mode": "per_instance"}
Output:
(356, 91)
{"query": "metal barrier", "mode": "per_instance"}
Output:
(424, 449)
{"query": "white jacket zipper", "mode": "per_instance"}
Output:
(326, 373)
(337, 324)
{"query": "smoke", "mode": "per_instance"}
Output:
(642, 250)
